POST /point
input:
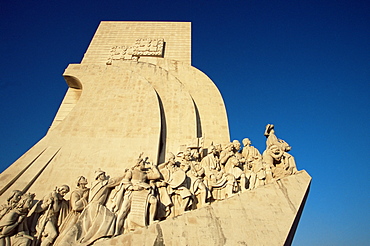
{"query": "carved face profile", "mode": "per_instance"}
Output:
(62, 191)
(26, 202)
(81, 182)
(15, 197)
(211, 150)
(102, 176)
(99, 173)
(229, 147)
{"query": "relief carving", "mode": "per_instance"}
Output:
(254, 168)
(279, 163)
(53, 209)
(175, 178)
(142, 47)
(12, 202)
(136, 202)
(143, 194)
(96, 220)
(13, 225)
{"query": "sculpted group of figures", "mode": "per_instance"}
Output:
(143, 194)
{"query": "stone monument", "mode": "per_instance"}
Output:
(139, 153)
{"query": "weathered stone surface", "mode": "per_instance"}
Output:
(267, 215)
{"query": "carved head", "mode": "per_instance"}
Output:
(246, 142)
(284, 145)
(275, 151)
(187, 155)
(229, 147)
(195, 155)
(218, 148)
(15, 196)
(26, 202)
(140, 165)
(211, 149)
(62, 191)
(81, 182)
(236, 145)
(100, 174)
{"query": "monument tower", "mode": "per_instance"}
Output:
(135, 91)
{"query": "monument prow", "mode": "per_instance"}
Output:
(142, 138)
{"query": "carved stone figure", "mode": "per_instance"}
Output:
(13, 225)
(218, 148)
(141, 190)
(232, 160)
(253, 167)
(144, 193)
(275, 156)
(249, 152)
(194, 180)
(175, 178)
(53, 208)
(77, 202)
(220, 183)
(96, 220)
(288, 160)
(271, 138)
(139, 205)
(12, 201)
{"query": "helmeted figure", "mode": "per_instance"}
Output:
(96, 220)
(78, 201)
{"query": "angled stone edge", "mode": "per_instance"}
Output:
(267, 215)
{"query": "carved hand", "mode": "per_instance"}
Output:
(49, 201)
(85, 195)
(20, 218)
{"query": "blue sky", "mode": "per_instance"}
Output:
(301, 65)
